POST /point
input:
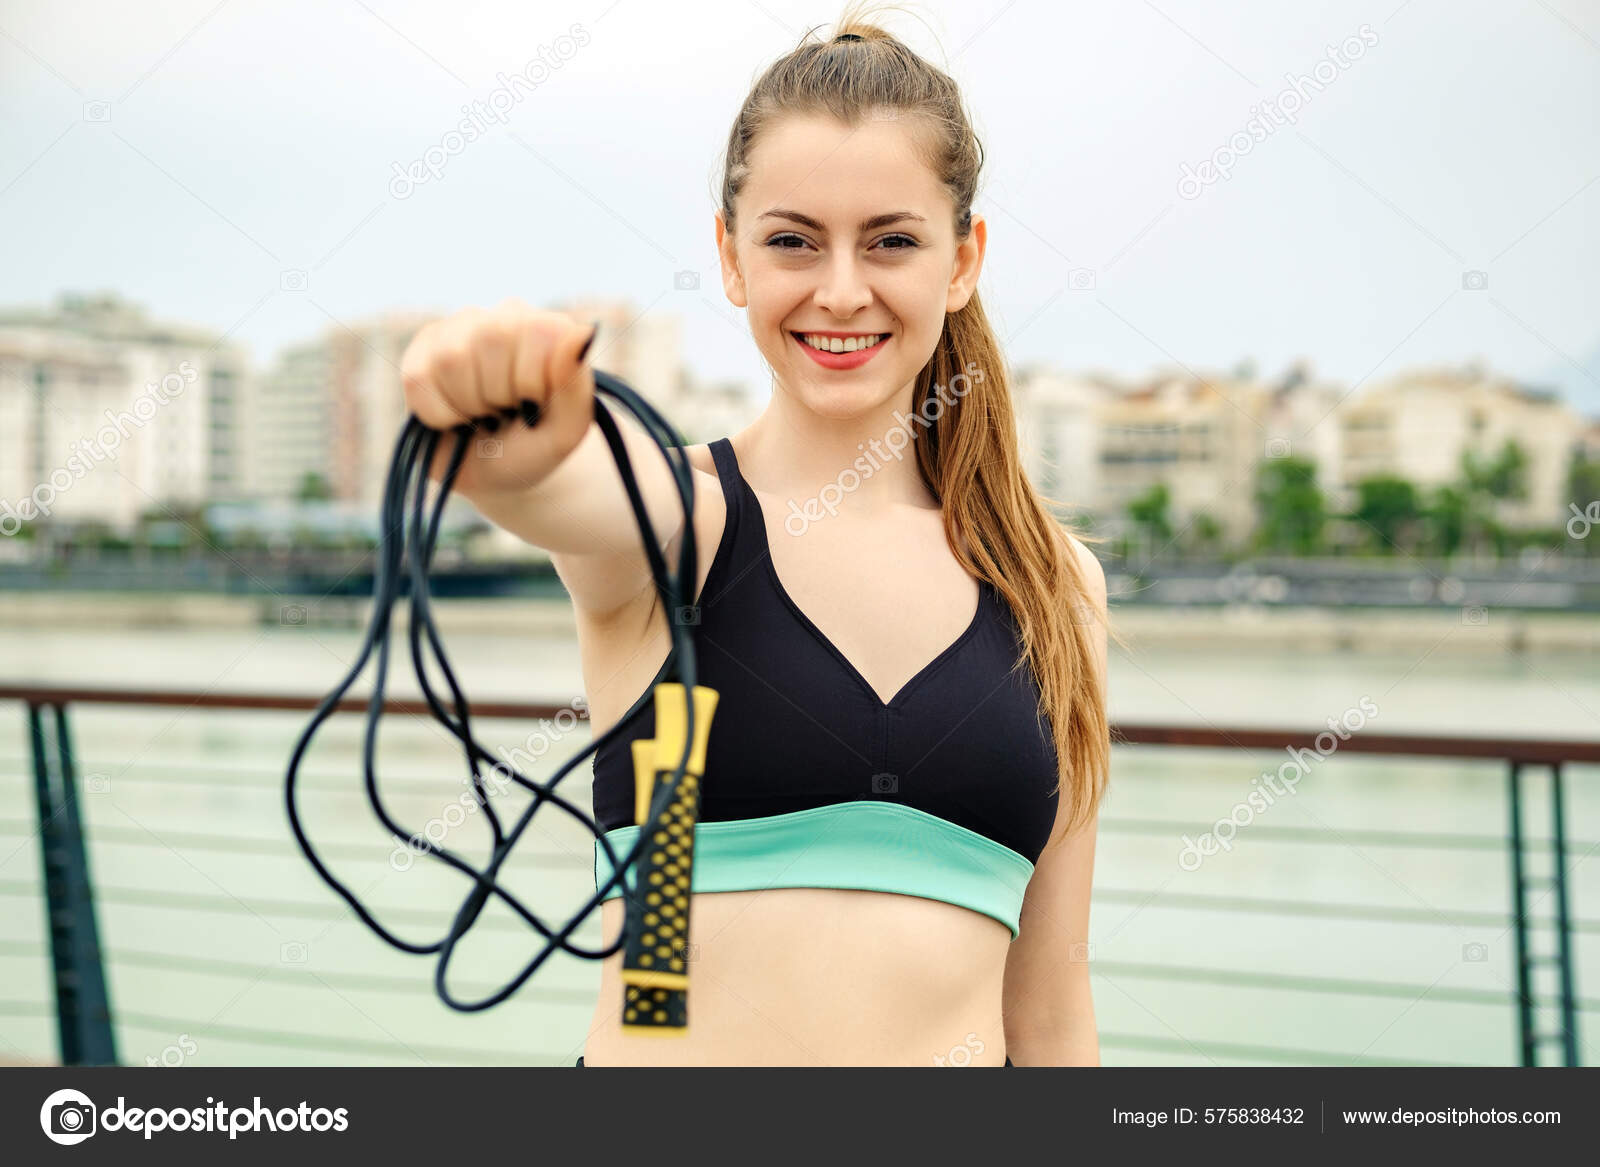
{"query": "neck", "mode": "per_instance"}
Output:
(866, 464)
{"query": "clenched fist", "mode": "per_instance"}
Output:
(500, 367)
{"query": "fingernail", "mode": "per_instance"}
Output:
(530, 412)
(584, 351)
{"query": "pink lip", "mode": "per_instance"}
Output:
(841, 360)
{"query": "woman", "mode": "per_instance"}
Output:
(897, 824)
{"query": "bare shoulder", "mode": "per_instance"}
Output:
(710, 509)
(1094, 575)
(700, 458)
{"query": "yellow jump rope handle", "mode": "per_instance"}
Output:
(655, 972)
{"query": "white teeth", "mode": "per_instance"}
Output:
(834, 344)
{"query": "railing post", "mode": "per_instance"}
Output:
(83, 1009)
(1569, 1004)
(1562, 958)
(1519, 914)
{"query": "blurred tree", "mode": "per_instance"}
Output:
(1583, 479)
(178, 527)
(1449, 516)
(1205, 534)
(1583, 506)
(1289, 506)
(1485, 482)
(1149, 511)
(1387, 506)
(1504, 476)
(313, 488)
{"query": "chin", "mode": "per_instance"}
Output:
(843, 403)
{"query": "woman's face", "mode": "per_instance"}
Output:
(846, 231)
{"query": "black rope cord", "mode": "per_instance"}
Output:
(405, 555)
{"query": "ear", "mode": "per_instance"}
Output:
(969, 262)
(732, 277)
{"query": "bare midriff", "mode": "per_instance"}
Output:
(821, 977)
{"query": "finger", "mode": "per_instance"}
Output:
(424, 396)
(569, 406)
(494, 344)
(535, 335)
(454, 368)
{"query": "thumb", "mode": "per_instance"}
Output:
(569, 404)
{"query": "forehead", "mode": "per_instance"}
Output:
(828, 170)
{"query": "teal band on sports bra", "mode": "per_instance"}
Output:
(862, 846)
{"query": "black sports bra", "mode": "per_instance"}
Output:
(812, 780)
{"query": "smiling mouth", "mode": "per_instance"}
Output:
(836, 344)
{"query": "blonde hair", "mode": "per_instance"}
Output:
(968, 457)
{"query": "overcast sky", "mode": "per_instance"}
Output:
(188, 154)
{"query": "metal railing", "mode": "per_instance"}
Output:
(85, 1020)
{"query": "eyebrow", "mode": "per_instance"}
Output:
(866, 224)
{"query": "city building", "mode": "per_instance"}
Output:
(365, 401)
(1420, 423)
(291, 423)
(1058, 431)
(106, 414)
(1300, 419)
(1199, 436)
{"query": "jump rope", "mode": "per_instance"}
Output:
(668, 768)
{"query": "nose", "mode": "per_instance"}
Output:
(844, 290)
